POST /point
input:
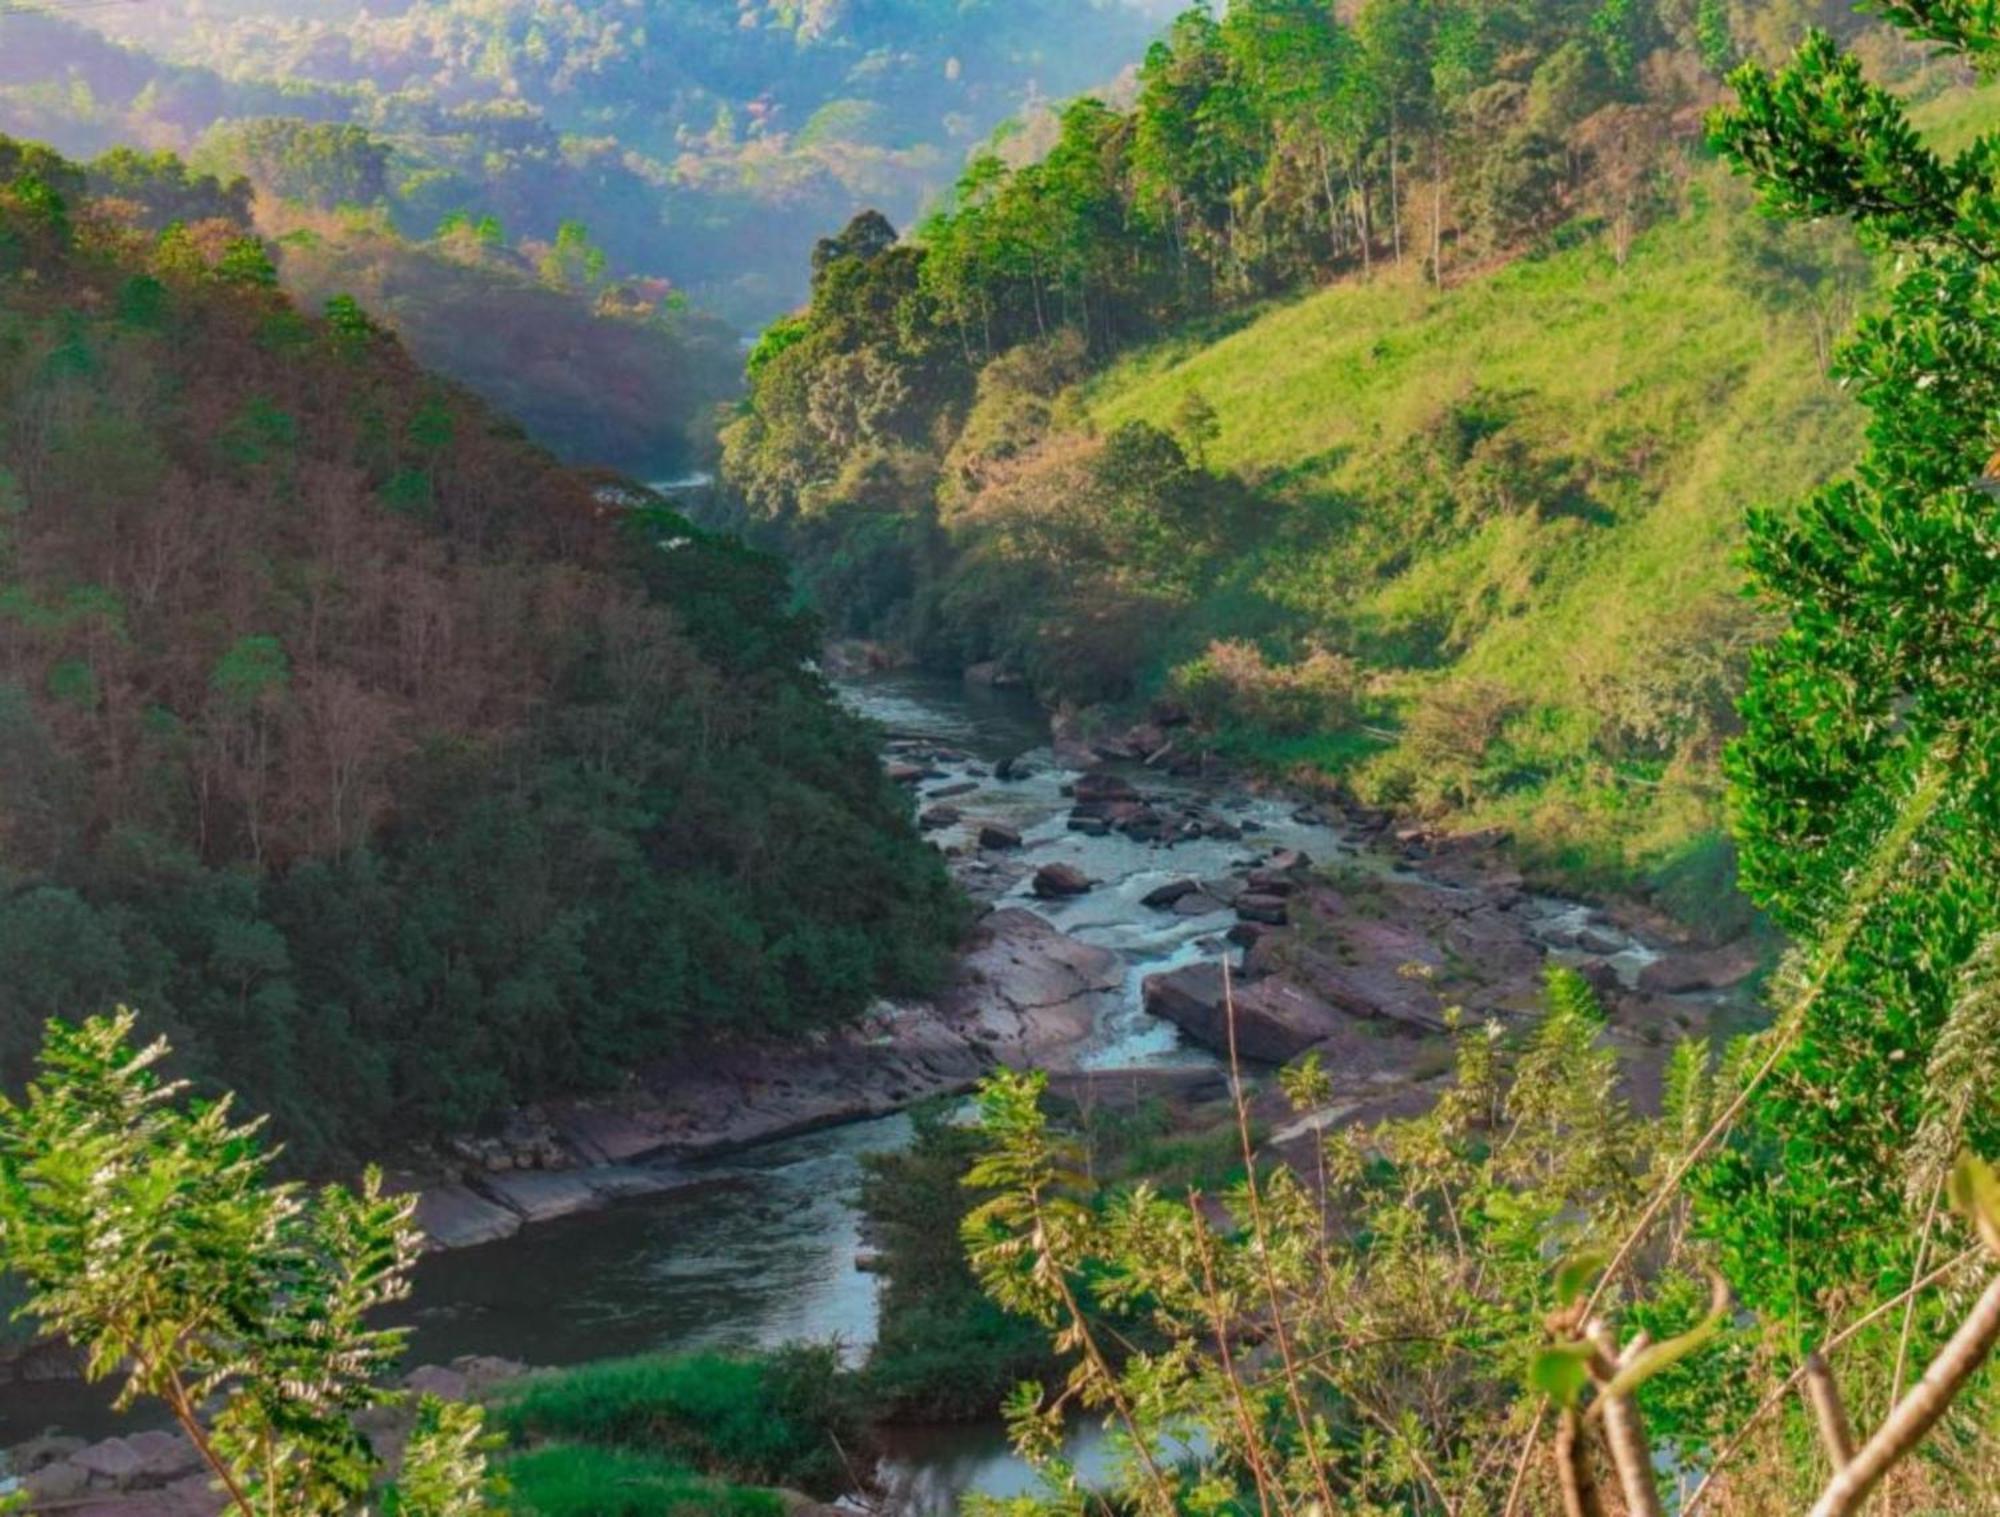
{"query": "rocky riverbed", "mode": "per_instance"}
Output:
(1122, 883)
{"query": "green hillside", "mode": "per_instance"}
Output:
(1519, 502)
(1533, 481)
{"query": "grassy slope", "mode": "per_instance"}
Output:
(1680, 398)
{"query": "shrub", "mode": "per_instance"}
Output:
(784, 1419)
(1233, 682)
(1449, 737)
(945, 1351)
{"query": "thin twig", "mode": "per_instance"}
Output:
(1923, 1254)
(1253, 1445)
(1260, 1236)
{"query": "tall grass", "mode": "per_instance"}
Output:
(785, 1419)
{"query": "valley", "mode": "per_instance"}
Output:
(1286, 803)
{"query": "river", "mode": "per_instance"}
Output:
(762, 1248)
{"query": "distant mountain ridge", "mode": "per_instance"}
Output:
(701, 141)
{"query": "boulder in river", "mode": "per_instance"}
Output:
(1274, 910)
(1100, 785)
(1680, 973)
(1029, 992)
(1250, 934)
(1275, 1019)
(1055, 881)
(1596, 940)
(1198, 905)
(939, 816)
(1271, 882)
(1160, 897)
(997, 837)
(954, 790)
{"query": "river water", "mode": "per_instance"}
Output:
(761, 1250)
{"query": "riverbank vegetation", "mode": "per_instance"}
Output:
(792, 1418)
(400, 773)
(1399, 422)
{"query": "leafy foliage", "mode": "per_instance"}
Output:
(1879, 684)
(147, 1232)
(562, 1480)
(943, 1352)
(707, 143)
(787, 1419)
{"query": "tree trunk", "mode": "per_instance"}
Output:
(1395, 199)
(1437, 213)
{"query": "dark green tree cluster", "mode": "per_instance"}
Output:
(320, 164)
(400, 772)
(165, 191)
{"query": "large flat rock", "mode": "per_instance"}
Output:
(456, 1216)
(1029, 992)
(541, 1195)
(1276, 1019)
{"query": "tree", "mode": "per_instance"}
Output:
(573, 262)
(1878, 705)
(1198, 425)
(144, 1226)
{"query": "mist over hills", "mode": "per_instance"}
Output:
(704, 142)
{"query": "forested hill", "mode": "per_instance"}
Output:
(704, 141)
(390, 771)
(1385, 385)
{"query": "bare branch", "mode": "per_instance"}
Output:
(1829, 1411)
(1624, 1432)
(1573, 1472)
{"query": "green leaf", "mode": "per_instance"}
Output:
(1560, 1372)
(1975, 1192)
(1575, 1272)
(1651, 1361)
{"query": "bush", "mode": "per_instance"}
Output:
(782, 1419)
(1449, 739)
(945, 1351)
(1233, 682)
